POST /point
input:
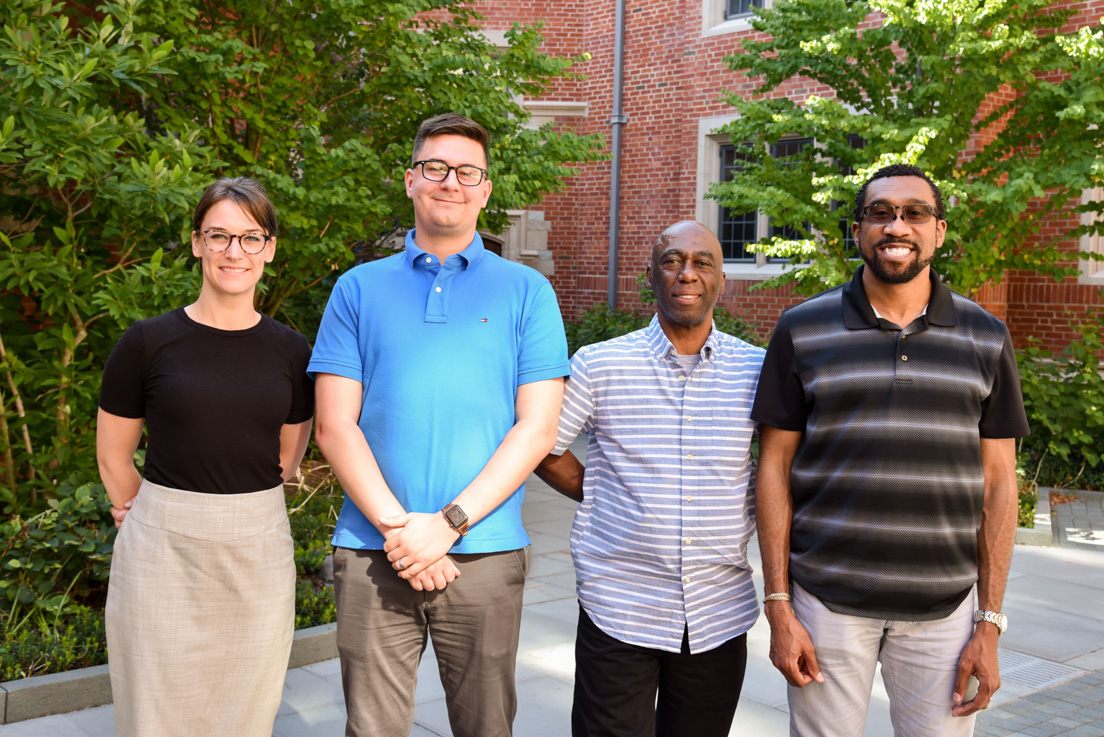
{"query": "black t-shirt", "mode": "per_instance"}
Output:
(214, 401)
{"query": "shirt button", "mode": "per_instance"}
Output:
(682, 378)
(689, 498)
(429, 260)
(689, 418)
(689, 456)
(438, 289)
(904, 358)
(686, 579)
(689, 540)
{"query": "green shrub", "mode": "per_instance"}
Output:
(76, 642)
(1064, 399)
(59, 556)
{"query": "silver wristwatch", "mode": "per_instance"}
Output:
(997, 618)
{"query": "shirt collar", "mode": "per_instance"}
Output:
(661, 346)
(859, 314)
(468, 257)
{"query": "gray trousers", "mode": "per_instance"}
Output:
(383, 626)
(919, 664)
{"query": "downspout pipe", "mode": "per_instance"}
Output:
(617, 121)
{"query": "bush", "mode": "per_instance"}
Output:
(58, 557)
(34, 650)
(1064, 399)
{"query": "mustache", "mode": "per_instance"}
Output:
(897, 242)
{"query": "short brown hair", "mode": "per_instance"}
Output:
(248, 194)
(455, 125)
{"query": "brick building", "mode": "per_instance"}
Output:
(673, 77)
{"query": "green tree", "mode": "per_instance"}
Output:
(113, 119)
(1006, 113)
(89, 198)
(320, 100)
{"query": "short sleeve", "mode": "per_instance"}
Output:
(302, 385)
(542, 353)
(577, 411)
(337, 348)
(122, 391)
(1002, 412)
(780, 395)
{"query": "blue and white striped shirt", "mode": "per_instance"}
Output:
(660, 539)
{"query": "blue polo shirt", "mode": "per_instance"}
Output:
(440, 350)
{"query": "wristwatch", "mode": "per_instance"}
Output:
(457, 518)
(997, 618)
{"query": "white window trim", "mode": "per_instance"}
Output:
(1092, 272)
(708, 211)
(714, 23)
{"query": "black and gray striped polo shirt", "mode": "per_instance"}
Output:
(887, 481)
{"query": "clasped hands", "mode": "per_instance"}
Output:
(417, 544)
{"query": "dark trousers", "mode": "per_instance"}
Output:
(616, 686)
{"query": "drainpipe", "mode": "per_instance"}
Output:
(617, 120)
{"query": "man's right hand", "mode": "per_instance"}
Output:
(791, 650)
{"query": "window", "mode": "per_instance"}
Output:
(729, 16)
(1092, 270)
(739, 8)
(718, 160)
(737, 230)
(847, 207)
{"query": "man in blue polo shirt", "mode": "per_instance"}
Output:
(439, 377)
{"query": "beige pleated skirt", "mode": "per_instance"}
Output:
(200, 613)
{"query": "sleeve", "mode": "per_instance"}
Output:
(1002, 412)
(122, 390)
(577, 412)
(302, 385)
(337, 348)
(780, 396)
(542, 353)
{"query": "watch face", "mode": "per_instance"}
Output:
(456, 516)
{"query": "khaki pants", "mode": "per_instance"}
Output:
(919, 664)
(383, 625)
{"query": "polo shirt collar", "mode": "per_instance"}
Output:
(468, 257)
(661, 346)
(858, 313)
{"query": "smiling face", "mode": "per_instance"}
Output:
(687, 276)
(897, 253)
(233, 272)
(447, 209)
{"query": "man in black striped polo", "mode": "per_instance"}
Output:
(889, 409)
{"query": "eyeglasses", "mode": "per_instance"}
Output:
(916, 213)
(438, 171)
(252, 243)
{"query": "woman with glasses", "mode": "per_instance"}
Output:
(200, 604)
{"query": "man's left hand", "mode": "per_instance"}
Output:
(979, 659)
(422, 540)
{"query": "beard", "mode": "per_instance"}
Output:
(894, 274)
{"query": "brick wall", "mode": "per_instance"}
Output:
(673, 78)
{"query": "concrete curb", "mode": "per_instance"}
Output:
(58, 693)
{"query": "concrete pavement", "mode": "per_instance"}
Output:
(1052, 657)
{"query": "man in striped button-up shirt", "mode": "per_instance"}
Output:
(659, 541)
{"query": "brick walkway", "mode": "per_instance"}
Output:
(1079, 523)
(1074, 708)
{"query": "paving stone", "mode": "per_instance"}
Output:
(1043, 730)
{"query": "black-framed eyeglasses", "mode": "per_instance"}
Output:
(219, 240)
(438, 171)
(915, 213)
